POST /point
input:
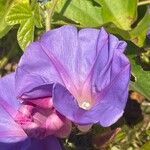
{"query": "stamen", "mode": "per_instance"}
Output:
(85, 105)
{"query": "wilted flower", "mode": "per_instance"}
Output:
(21, 130)
(85, 72)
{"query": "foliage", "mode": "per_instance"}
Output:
(28, 17)
(4, 8)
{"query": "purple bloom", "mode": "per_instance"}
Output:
(85, 72)
(148, 33)
(12, 135)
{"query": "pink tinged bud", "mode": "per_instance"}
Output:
(65, 131)
(46, 102)
(39, 122)
(34, 130)
(54, 123)
(26, 109)
(39, 118)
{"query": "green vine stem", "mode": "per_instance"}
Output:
(143, 3)
(49, 14)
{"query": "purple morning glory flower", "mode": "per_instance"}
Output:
(12, 135)
(85, 72)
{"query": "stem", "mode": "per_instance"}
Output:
(49, 14)
(143, 3)
(47, 20)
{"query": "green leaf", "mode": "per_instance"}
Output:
(5, 5)
(120, 12)
(25, 33)
(146, 146)
(138, 34)
(82, 12)
(19, 13)
(115, 30)
(142, 77)
(94, 14)
(28, 17)
(37, 14)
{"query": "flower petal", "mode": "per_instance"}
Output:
(103, 71)
(30, 86)
(7, 90)
(108, 109)
(109, 76)
(62, 55)
(22, 145)
(67, 105)
(58, 125)
(48, 143)
(10, 131)
(87, 65)
(65, 131)
(11, 135)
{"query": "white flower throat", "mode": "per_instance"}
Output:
(85, 105)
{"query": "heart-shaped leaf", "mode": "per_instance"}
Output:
(120, 12)
(84, 13)
(28, 17)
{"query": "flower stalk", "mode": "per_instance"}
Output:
(49, 14)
